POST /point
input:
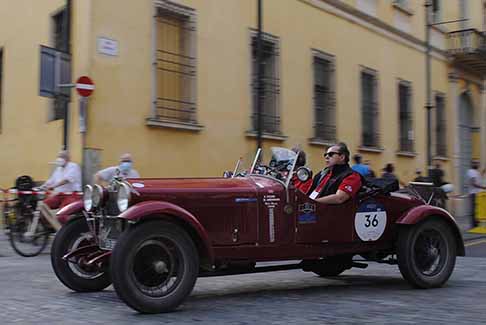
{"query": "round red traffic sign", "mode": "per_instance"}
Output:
(84, 86)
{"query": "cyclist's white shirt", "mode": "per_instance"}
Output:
(107, 174)
(70, 172)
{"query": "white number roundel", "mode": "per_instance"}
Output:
(370, 225)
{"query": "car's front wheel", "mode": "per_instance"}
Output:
(154, 266)
(427, 253)
(73, 273)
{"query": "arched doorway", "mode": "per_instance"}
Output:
(465, 138)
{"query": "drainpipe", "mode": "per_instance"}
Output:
(67, 37)
(428, 104)
(260, 67)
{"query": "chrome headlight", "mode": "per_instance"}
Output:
(88, 197)
(123, 197)
(97, 196)
(303, 174)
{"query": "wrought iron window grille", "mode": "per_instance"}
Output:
(405, 117)
(440, 126)
(175, 64)
(271, 85)
(324, 98)
(370, 135)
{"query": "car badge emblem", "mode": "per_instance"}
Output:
(138, 185)
(307, 208)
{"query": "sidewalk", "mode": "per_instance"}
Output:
(465, 224)
(5, 249)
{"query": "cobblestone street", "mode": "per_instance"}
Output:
(31, 294)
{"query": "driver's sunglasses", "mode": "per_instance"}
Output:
(330, 154)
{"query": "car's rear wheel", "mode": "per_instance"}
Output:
(75, 274)
(427, 253)
(154, 266)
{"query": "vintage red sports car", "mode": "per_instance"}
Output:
(153, 237)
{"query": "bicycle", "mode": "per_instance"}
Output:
(27, 228)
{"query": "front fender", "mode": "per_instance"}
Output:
(158, 209)
(422, 212)
(66, 212)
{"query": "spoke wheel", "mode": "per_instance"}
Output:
(427, 253)
(75, 274)
(24, 239)
(77, 264)
(154, 266)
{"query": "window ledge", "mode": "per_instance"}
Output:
(440, 28)
(320, 142)
(404, 9)
(174, 125)
(441, 158)
(371, 149)
(408, 154)
(268, 136)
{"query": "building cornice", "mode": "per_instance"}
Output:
(347, 12)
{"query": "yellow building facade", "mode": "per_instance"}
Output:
(174, 83)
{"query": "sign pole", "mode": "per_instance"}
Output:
(83, 110)
(85, 87)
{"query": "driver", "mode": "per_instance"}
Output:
(336, 183)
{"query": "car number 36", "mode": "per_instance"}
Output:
(370, 225)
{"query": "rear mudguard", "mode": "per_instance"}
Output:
(422, 212)
(163, 210)
(65, 213)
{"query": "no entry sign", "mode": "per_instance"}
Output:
(84, 86)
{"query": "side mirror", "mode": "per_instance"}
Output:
(303, 174)
(227, 174)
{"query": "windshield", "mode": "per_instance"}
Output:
(281, 163)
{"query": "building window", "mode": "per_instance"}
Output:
(440, 126)
(271, 84)
(56, 67)
(405, 116)
(61, 37)
(436, 11)
(175, 65)
(370, 136)
(324, 97)
(464, 13)
(60, 31)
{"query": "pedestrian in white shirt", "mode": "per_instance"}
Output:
(124, 170)
(473, 182)
(65, 183)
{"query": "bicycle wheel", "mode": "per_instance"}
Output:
(26, 241)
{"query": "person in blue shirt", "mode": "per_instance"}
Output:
(363, 169)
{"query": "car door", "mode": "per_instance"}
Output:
(318, 223)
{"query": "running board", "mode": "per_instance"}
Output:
(259, 269)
